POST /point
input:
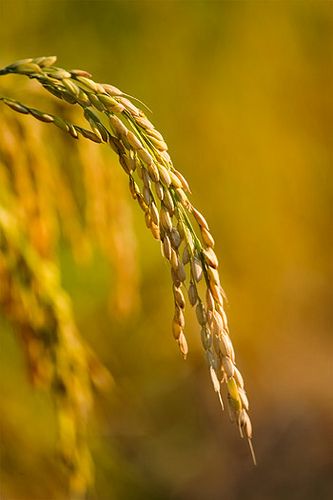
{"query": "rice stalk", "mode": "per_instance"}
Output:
(163, 195)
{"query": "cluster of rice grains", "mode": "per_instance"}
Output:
(162, 194)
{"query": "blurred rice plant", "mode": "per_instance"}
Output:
(55, 190)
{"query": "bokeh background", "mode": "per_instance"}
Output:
(243, 93)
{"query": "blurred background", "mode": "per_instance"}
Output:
(243, 94)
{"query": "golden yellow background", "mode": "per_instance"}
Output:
(243, 93)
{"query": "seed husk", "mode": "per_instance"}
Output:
(90, 84)
(226, 347)
(175, 238)
(133, 141)
(182, 198)
(215, 380)
(183, 181)
(129, 106)
(71, 87)
(228, 366)
(174, 262)
(60, 123)
(134, 188)
(159, 191)
(238, 377)
(127, 163)
(143, 205)
(145, 156)
(154, 214)
(175, 180)
(160, 145)
(234, 394)
(168, 201)
(183, 345)
(16, 106)
(116, 145)
(201, 314)
(27, 68)
(175, 278)
(196, 267)
(69, 97)
(206, 338)
(146, 194)
(200, 218)
(210, 258)
(153, 172)
(90, 135)
(95, 101)
(164, 175)
(213, 275)
(216, 385)
(72, 130)
(155, 133)
(165, 219)
(207, 237)
(166, 157)
(19, 63)
(210, 300)
(213, 360)
(176, 329)
(186, 255)
(216, 292)
(244, 399)
(144, 176)
(179, 297)
(179, 317)
(245, 424)
(117, 125)
(107, 100)
(155, 231)
(232, 409)
(167, 247)
(118, 108)
(192, 294)
(181, 273)
(54, 91)
(83, 99)
(124, 164)
(111, 89)
(80, 72)
(224, 318)
(148, 219)
(216, 323)
(44, 62)
(180, 229)
(144, 123)
(57, 73)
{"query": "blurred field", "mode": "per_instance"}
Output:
(243, 93)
